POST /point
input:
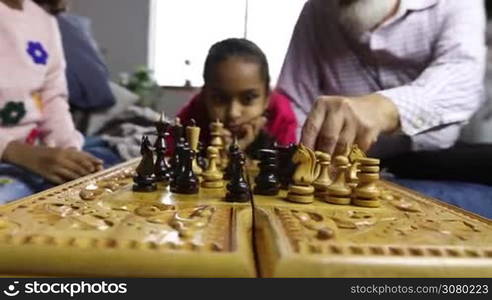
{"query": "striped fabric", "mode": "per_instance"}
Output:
(429, 59)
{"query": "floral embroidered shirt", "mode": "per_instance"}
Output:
(33, 90)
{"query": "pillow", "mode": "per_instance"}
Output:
(124, 99)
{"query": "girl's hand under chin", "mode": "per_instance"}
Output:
(246, 134)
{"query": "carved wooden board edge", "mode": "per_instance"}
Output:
(419, 197)
(34, 253)
(280, 256)
(30, 255)
(74, 183)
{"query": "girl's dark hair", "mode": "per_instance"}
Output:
(52, 6)
(234, 47)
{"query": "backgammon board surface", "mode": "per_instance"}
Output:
(98, 226)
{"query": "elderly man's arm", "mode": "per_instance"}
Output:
(447, 92)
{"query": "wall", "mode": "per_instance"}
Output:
(122, 29)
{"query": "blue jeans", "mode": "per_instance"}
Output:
(473, 197)
(17, 182)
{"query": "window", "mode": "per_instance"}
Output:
(184, 30)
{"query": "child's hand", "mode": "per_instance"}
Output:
(55, 164)
(247, 132)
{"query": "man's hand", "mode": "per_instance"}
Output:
(336, 123)
(247, 133)
(55, 164)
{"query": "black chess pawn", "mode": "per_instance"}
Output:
(233, 151)
(179, 161)
(267, 182)
(144, 181)
(201, 156)
(161, 167)
(179, 140)
(286, 167)
(186, 182)
(238, 189)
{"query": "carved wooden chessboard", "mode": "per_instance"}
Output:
(97, 226)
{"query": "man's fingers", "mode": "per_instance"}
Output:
(366, 139)
(312, 126)
(346, 138)
(329, 134)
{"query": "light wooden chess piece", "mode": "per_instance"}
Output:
(352, 177)
(302, 190)
(217, 141)
(339, 192)
(367, 193)
(353, 168)
(212, 177)
(193, 137)
(323, 181)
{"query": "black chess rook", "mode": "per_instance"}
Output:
(267, 182)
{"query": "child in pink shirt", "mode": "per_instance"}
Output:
(36, 129)
(237, 92)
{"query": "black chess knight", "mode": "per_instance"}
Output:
(267, 182)
(144, 181)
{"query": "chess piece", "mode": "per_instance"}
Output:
(175, 164)
(212, 176)
(161, 167)
(216, 132)
(339, 192)
(232, 151)
(286, 167)
(201, 156)
(302, 190)
(367, 193)
(193, 137)
(144, 181)
(180, 159)
(187, 181)
(238, 189)
(352, 177)
(267, 182)
(323, 181)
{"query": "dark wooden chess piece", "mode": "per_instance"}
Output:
(232, 151)
(161, 167)
(238, 189)
(179, 141)
(267, 182)
(186, 182)
(144, 181)
(286, 167)
(201, 156)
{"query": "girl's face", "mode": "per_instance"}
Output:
(236, 94)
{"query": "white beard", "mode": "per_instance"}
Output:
(364, 15)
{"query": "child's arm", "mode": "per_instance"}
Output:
(55, 164)
(57, 125)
